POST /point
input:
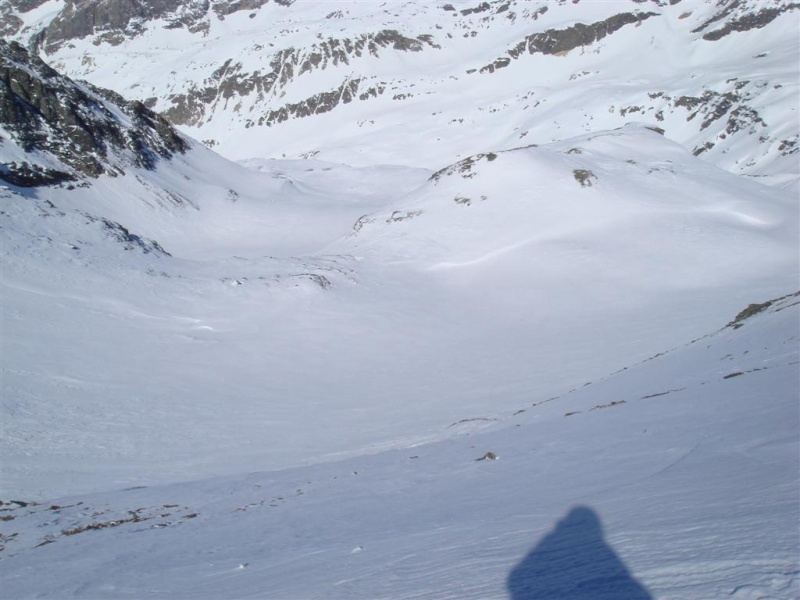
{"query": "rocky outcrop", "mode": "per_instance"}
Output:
(129, 240)
(79, 19)
(721, 114)
(229, 82)
(757, 308)
(754, 20)
(88, 130)
(562, 41)
(739, 15)
(464, 168)
(317, 104)
(10, 23)
(113, 20)
(24, 174)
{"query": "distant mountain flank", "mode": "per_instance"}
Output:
(113, 20)
(426, 84)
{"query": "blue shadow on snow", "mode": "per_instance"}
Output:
(573, 562)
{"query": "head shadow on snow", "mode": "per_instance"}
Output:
(574, 562)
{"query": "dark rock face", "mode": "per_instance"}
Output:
(10, 24)
(735, 15)
(75, 124)
(26, 5)
(754, 309)
(755, 20)
(463, 168)
(79, 19)
(228, 8)
(113, 20)
(731, 106)
(561, 41)
(28, 175)
(129, 241)
(317, 104)
(482, 7)
(720, 114)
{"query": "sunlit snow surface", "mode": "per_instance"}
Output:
(293, 365)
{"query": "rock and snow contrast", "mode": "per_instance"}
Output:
(319, 299)
(426, 83)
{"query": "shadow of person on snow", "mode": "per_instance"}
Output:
(573, 562)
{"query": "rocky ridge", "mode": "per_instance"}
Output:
(738, 15)
(75, 130)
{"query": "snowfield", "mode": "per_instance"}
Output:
(674, 478)
(309, 425)
(207, 346)
(490, 340)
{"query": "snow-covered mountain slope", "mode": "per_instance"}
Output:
(269, 323)
(303, 360)
(132, 245)
(673, 478)
(424, 83)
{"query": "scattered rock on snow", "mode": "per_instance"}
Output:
(487, 456)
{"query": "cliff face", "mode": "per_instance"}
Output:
(76, 130)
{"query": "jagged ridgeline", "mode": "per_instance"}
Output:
(65, 131)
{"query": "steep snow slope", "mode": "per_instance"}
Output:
(424, 84)
(673, 478)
